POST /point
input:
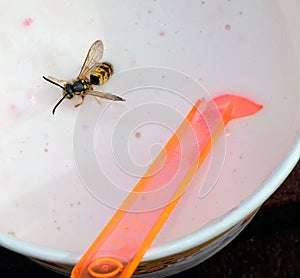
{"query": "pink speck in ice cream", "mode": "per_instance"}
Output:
(227, 27)
(27, 21)
(15, 111)
(138, 134)
(85, 126)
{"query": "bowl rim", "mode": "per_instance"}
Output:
(208, 232)
(221, 225)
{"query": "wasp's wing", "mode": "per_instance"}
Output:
(105, 95)
(92, 60)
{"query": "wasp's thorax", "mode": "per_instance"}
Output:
(76, 88)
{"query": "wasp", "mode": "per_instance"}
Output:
(93, 72)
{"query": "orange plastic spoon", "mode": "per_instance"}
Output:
(121, 245)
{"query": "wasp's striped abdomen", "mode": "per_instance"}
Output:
(101, 74)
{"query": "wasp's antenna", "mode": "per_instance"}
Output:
(49, 80)
(59, 102)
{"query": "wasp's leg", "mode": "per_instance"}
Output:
(80, 103)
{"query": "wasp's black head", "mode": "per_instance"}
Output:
(68, 90)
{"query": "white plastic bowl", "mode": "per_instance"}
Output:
(251, 49)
